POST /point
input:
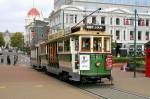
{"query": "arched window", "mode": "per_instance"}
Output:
(117, 21)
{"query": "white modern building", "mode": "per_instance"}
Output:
(118, 17)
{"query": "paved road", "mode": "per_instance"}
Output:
(19, 82)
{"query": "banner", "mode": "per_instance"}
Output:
(84, 62)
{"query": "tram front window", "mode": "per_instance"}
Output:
(107, 44)
(85, 44)
(97, 44)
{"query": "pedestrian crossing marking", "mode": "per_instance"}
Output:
(38, 86)
(2, 87)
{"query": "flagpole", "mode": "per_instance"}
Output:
(33, 3)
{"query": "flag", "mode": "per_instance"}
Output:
(33, 34)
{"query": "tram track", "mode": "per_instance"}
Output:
(111, 92)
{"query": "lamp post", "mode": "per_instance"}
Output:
(135, 28)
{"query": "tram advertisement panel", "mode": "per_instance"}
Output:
(84, 62)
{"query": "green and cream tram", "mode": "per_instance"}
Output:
(82, 55)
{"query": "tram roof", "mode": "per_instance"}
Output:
(94, 33)
(89, 30)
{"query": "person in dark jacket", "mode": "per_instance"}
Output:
(15, 59)
(8, 60)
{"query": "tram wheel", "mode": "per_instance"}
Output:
(45, 70)
(111, 80)
(83, 80)
(64, 76)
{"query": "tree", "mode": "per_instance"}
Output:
(17, 40)
(2, 41)
(113, 45)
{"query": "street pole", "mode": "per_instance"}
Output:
(135, 28)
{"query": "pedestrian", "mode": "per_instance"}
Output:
(2, 60)
(8, 60)
(15, 59)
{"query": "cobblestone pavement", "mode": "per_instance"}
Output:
(21, 82)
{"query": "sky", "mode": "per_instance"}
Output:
(14, 12)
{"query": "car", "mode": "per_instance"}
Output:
(10, 50)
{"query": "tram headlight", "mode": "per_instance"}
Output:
(98, 64)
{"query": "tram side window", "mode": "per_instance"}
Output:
(107, 44)
(85, 44)
(67, 45)
(97, 44)
(60, 46)
(76, 44)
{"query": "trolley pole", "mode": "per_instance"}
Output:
(135, 28)
(87, 17)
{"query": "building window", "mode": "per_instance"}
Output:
(126, 21)
(131, 35)
(75, 19)
(139, 35)
(117, 35)
(111, 21)
(94, 20)
(71, 18)
(84, 20)
(117, 21)
(67, 18)
(147, 36)
(131, 21)
(111, 32)
(141, 22)
(147, 22)
(124, 36)
(102, 20)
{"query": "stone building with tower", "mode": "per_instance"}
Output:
(32, 15)
(36, 28)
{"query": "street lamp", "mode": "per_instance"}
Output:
(135, 12)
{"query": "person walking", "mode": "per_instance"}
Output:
(8, 60)
(15, 59)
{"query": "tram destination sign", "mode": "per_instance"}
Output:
(95, 27)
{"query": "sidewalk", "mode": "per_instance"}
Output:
(126, 81)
